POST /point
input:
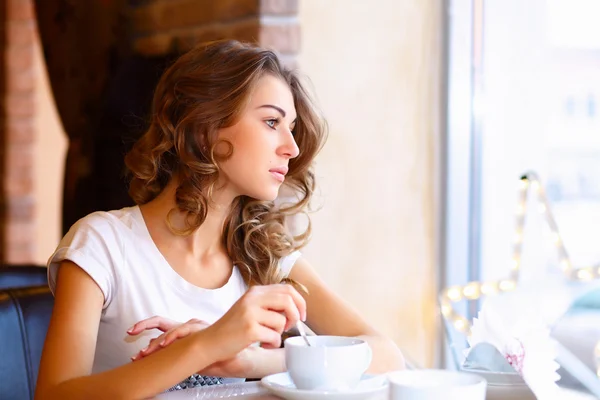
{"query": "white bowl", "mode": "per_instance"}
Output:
(431, 384)
(505, 385)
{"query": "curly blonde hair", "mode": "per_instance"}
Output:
(203, 91)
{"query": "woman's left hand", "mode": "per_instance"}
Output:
(240, 366)
(253, 362)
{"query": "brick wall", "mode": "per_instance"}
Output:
(157, 28)
(17, 203)
(171, 26)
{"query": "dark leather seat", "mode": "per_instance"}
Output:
(19, 276)
(24, 318)
(25, 312)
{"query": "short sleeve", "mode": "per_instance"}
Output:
(287, 263)
(94, 244)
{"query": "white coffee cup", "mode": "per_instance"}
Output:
(431, 384)
(330, 363)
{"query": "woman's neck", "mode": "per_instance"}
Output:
(206, 240)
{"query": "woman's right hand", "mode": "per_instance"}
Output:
(262, 314)
(172, 331)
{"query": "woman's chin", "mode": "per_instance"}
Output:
(269, 196)
(265, 195)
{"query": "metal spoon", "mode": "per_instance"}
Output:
(300, 328)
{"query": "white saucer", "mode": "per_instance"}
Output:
(369, 387)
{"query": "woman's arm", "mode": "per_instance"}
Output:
(71, 341)
(328, 314)
(252, 362)
(260, 315)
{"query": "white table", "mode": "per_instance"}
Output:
(247, 390)
(253, 390)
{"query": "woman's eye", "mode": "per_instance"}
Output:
(271, 123)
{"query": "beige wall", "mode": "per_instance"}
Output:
(376, 69)
(50, 150)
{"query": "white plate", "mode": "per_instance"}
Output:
(369, 387)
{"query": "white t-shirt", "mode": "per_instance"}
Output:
(117, 251)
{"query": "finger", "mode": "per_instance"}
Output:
(267, 337)
(272, 320)
(156, 322)
(197, 324)
(282, 302)
(153, 345)
(295, 296)
(269, 346)
(181, 332)
(299, 301)
(184, 330)
(197, 321)
(138, 356)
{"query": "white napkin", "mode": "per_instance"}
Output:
(516, 328)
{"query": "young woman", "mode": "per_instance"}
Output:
(206, 243)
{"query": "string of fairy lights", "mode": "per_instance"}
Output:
(474, 290)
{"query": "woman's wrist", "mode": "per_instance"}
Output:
(262, 362)
(246, 363)
(206, 345)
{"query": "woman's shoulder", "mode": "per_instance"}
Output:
(106, 222)
(95, 243)
(101, 232)
(286, 263)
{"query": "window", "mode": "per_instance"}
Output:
(523, 95)
(526, 99)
